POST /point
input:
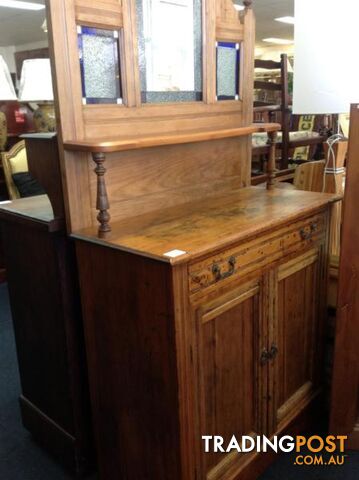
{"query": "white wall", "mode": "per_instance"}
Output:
(32, 46)
(8, 52)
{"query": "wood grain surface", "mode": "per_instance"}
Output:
(133, 143)
(216, 222)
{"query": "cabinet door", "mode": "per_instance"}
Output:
(298, 335)
(232, 393)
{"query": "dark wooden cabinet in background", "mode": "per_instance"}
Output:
(44, 299)
(2, 263)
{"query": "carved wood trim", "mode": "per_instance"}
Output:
(145, 125)
(102, 203)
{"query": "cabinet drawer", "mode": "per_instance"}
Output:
(256, 253)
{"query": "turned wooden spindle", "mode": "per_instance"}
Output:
(102, 203)
(272, 137)
(248, 3)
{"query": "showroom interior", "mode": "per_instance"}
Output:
(178, 239)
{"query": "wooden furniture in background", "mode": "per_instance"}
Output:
(2, 263)
(44, 299)
(188, 328)
(44, 165)
(310, 176)
(334, 183)
(292, 135)
(344, 417)
(280, 176)
(278, 111)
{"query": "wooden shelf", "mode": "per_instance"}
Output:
(118, 145)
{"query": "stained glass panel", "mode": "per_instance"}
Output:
(170, 50)
(228, 65)
(100, 69)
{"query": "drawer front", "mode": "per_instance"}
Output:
(256, 253)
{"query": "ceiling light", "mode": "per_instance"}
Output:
(278, 41)
(21, 5)
(289, 20)
(239, 8)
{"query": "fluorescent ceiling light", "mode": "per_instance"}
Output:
(21, 5)
(238, 7)
(289, 20)
(278, 41)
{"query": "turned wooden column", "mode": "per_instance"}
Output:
(272, 136)
(102, 203)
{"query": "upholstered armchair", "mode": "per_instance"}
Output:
(14, 161)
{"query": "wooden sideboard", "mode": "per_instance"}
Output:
(203, 298)
(224, 338)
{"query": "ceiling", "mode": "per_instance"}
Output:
(266, 27)
(18, 27)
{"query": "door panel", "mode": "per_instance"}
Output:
(297, 335)
(231, 378)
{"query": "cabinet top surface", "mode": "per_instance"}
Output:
(211, 224)
(36, 210)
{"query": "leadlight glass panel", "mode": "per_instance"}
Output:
(170, 50)
(100, 67)
(228, 67)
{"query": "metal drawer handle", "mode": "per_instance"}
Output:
(216, 269)
(313, 226)
(308, 235)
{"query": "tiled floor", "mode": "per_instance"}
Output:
(22, 459)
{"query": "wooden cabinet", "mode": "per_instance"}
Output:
(231, 381)
(46, 312)
(298, 326)
(41, 274)
(223, 339)
(259, 350)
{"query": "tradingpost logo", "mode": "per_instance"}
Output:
(314, 450)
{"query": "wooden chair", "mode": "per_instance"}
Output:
(14, 161)
(309, 176)
(297, 131)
